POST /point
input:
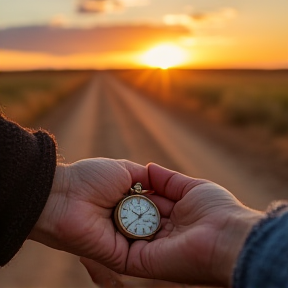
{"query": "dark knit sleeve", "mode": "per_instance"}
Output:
(27, 167)
(263, 261)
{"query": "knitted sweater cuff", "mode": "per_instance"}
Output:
(263, 260)
(27, 167)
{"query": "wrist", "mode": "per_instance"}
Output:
(45, 230)
(232, 240)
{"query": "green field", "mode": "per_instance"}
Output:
(26, 96)
(236, 97)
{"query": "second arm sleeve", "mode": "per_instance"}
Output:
(27, 167)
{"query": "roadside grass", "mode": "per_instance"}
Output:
(26, 96)
(236, 97)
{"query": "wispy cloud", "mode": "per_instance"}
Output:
(105, 6)
(222, 15)
(201, 19)
(134, 3)
(99, 6)
(59, 21)
(202, 26)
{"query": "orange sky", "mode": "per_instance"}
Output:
(98, 34)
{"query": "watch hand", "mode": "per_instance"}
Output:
(135, 213)
(131, 208)
(145, 211)
(131, 223)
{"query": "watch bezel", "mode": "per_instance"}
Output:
(121, 227)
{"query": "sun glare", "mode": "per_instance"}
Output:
(164, 56)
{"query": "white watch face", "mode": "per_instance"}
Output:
(139, 216)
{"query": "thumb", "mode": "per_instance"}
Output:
(171, 184)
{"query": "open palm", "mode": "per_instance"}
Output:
(78, 212)
(191, 247)
(203, 229)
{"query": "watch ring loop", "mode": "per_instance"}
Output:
(137, 189)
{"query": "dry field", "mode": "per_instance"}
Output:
(238, 97)
(245, 111)
(26, 96)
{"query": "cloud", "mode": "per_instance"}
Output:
(104, 6)
(134, 3)
(177, 19)
(59, 41)
(202, 26)
(99, 6)
(222, 15)
(192, 21)
(59, 21)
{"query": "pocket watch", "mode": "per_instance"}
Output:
(136, 216)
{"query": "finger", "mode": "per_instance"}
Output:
(144, 259)
(171, 184)
(101, 275)
(138, 173)
(164, 205)
(134, 264)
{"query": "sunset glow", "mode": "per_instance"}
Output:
(88, 34)
(164, 56)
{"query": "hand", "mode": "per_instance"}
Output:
(203, 230)
(77, 216)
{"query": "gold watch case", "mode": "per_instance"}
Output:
(136, 216)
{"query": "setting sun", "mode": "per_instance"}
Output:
(164, 56)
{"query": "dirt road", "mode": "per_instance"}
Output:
(109, 119)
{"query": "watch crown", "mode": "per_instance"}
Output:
(138, 188)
